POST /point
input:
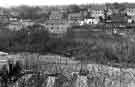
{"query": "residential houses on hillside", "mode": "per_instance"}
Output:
(57, 26)
(14, 23)
(26, 22)
(97, 11)
(58, 22)
(55, 15)
(4, 19)
(130, 12)
(118, 14)
(94, 14)
(90, 20)
(74, 18)
(130, 9)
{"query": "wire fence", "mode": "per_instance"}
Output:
(67, 74)
(98, 76)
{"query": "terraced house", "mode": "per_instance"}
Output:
(97, 11)
(75, 18)
(56, 23)
(57, 26)
(130, 9)
(130, 12)
(56, 15)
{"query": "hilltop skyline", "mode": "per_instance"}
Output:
(9, 3)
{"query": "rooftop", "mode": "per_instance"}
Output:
(98, 7)
(56, 22)
(75, 14)
(130, 5)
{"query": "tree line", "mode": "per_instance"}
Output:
(32, 40)
(96, 48)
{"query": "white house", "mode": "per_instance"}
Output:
(130, 20)
(130, 9)
(3, 59)
(90, 21)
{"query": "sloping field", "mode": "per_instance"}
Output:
(98, 76)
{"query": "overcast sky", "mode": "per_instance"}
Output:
(8, 3)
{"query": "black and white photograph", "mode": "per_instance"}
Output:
(67, 43)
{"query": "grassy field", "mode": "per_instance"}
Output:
(95, 47)
(100, 45)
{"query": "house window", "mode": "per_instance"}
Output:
(51, 28)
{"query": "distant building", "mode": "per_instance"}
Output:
(14, 18)
(56, 15)
(90, 21)
(63, 9)
(56, 23)
(84, 13)
(109, 12)
(44, 10)
(130, 9)
(97, 11)
(15, 25)
(118, 19)
(75, 18)
(14, 12)
(27, 22)
(131, 19)
(57, 26)
(4, 19)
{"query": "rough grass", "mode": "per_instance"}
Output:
(99, 75)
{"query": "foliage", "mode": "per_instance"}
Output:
(32, 39)
(10, 73)
(73, 8)
(84, 45)
(30, 12)
(24, 40)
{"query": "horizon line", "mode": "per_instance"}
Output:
(53, 5)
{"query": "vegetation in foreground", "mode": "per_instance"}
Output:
(87, 46)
